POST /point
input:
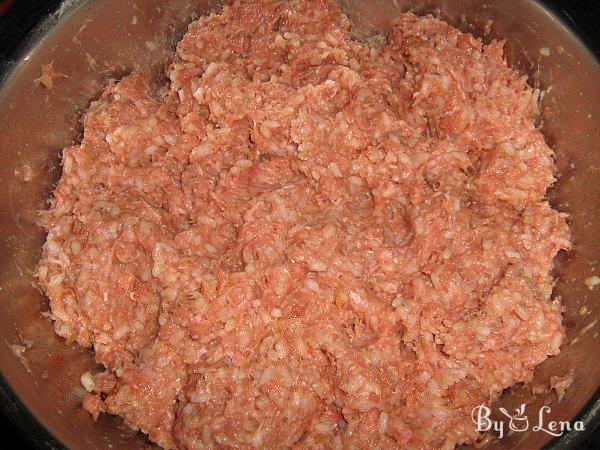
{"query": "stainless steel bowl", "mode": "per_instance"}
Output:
(92, 41)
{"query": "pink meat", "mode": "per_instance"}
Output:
(308, 241)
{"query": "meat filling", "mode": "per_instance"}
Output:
(305, 240)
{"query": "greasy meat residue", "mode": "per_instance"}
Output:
(308, 241)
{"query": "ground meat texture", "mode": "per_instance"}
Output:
(305, 240)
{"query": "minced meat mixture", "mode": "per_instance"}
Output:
(308, 241)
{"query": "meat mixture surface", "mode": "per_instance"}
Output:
(308, 241)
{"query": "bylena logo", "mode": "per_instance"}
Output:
(519, 422)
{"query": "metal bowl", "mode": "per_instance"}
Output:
(93, 41)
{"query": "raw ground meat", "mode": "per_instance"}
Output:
(308, 241)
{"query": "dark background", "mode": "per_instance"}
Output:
(18, 17)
